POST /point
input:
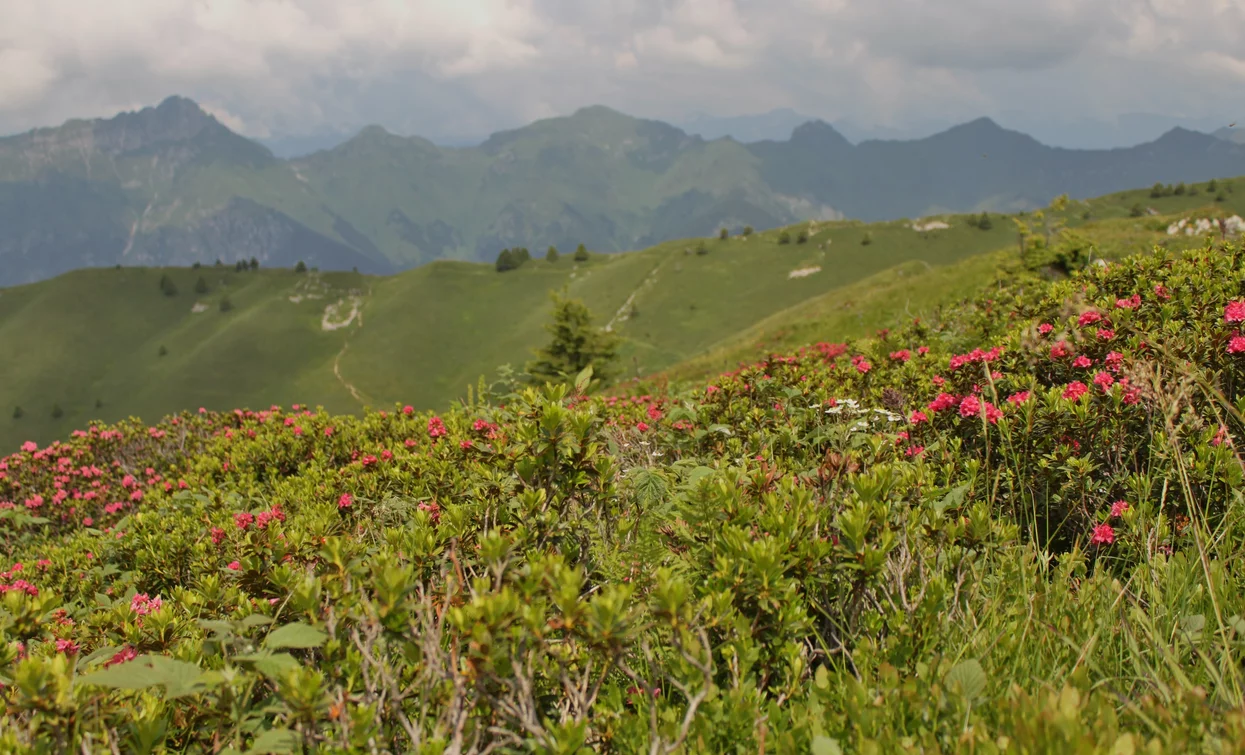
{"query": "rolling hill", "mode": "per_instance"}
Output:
(108, 343)
(170, 185)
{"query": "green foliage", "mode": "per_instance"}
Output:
(723, 234)
(18, 413)
(1180, 189)
(786, 559)
(575, 344)
(552, 254)
(581, 253)
(201, 286)
(254, 264)
(162, 351)
(225, 304)
(1137, 210)
(301, 267)
(867, 239)
(167, 286)
(505, 261)
(747, 231)
(784, 237)
(802, 236)
(702, 249)
(1212, 186)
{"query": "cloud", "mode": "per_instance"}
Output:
(447, 67)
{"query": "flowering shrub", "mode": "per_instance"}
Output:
(1001, 531)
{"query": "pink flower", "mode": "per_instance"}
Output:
(970, 406)
(233, 566)
(243, 519)
(918, 417)
(1131, 302)
(902, 355)
(1088, 317)
(914, 450)
(125, 654)
(944, 401)
(217, 535)
(1105, 334)
(30, 446)
(1220, 436)
(862, 365)
(1104, 381)
(143, 605)
(1234, 312)
(922, 350)
(641, 426)
(68, 647)
(408, 409)
(1119, 507)
(1161, 291)
(345, 501)
(1075, 390)
(1059, 350)
(1018, 398)
(1045, 328)
(436, 428)
(993, 413)
(1082, 362)
(1103, 535)
(1236, 345)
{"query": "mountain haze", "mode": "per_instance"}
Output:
(171, 185)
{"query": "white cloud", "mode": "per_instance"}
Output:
(446, 66)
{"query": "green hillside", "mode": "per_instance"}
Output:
(422, 337)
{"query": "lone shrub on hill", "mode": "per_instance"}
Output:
(801, 237)
(723, 234)
(505, 261)
(163, 350)
(225, 304)
(201, 286)
(581, 253)
(18, 413)
(552, 254)
(57, 412)
(702, 249)
(575, 344)
(167, 286)
(984, 222)
(747, 231)
(254, 264)
(867, 239)
(301, 267)
(784, 237)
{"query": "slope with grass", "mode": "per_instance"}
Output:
(94, 336)
(1011, 528)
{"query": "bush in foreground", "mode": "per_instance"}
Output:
(1016, 530)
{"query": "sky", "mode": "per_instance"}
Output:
(457, 70)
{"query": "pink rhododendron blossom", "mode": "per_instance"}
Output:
(1118, 508)
(1018, 398)
(1234, 312)
(1075, 390)
(1103, 535)
(1104, 380)
(345, 502)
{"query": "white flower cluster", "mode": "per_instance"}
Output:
(867, 417)
(1233, 226)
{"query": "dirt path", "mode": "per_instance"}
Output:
(356, 313)
(649, 279)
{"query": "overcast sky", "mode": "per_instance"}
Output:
(463, 68)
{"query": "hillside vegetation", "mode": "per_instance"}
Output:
(1013, 527)
(171, 185)
(107, 344)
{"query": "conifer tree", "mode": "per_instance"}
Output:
(575, 343)
(18, 413)
(552, 254)
(581, 253)
(505, 261)
(167, 286)
(301, 267)
(254, 264)
(201, 286)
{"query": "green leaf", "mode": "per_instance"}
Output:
(724, 429)
(823, 745)
(953, 499)
(103, 600)
(272, 665)
(179, 678)
(274, 741)
(296, 635)
(968, 677)
(583, 379)
(256, 619)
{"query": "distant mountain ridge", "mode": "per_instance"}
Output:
(172, 185)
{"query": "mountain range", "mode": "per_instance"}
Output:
(171, 185)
